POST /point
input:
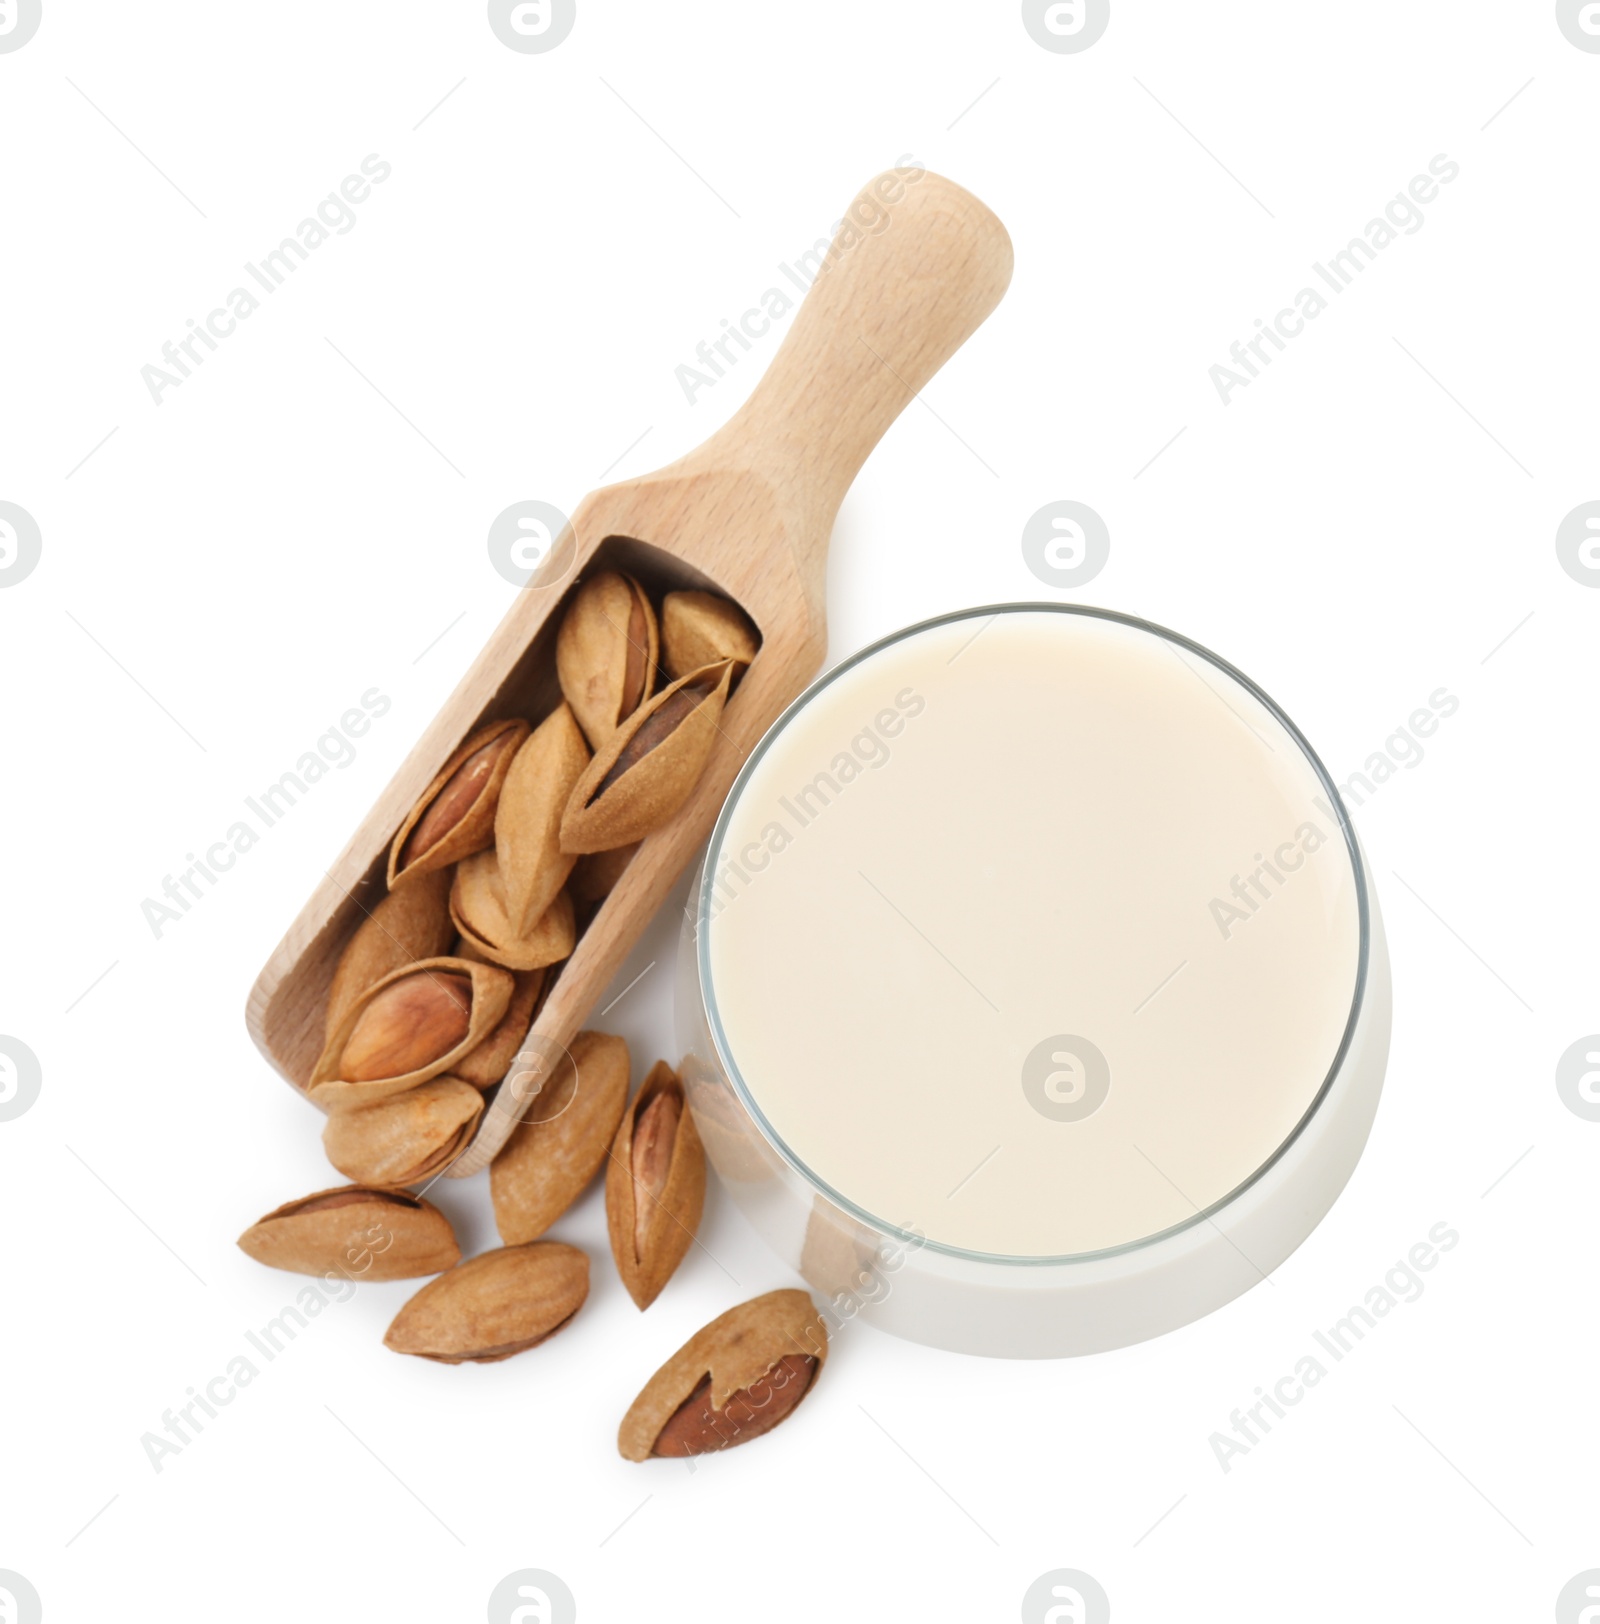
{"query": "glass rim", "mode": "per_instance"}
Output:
(736, 1080)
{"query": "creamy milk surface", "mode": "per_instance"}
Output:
(1033, 932)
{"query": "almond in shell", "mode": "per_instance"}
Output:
(455, 815)
(606, 652)
(649, 766)
(493, 1306)
(478, 909)
(655, 1185)
(731, 1382)
(403, 926)
(359, 1233)
(559, 1146)
(527, 825)
(699, 629)
(488, 1064)
(406, 1138)
(408, 1028)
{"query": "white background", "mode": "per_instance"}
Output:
(233, 568)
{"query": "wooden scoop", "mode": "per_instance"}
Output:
(917, 265)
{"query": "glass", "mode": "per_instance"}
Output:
(1016, 1302)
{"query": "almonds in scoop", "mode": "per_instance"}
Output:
(606, 652)
(527, 826)
(655, 1186)
(478, 908)
(455, 816)
(595, 876)
(412, 1021)
(649, 766)
(404, 926)
(493, 1306)
(406, 1138)
(559, 1145)
(363, 1234)
(411, 1026)
(732, 1381)
(700, 629)
(487, 1065)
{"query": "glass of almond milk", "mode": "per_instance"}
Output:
(1033, 989)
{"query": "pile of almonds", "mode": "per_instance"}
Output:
(491, 878)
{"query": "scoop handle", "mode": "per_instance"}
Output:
(916, 265)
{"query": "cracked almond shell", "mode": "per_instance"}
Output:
(493, 1306)
(407, 1029)
(606, 652)
(455, 815)
(649, 766)
(558, 1147)
(655, 1192)
(488, 1064)
(527, 825)
(477, 907)
(730, 1382)
(700, 629)
(406, 1138)
(362, 1234)
(404, 926)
